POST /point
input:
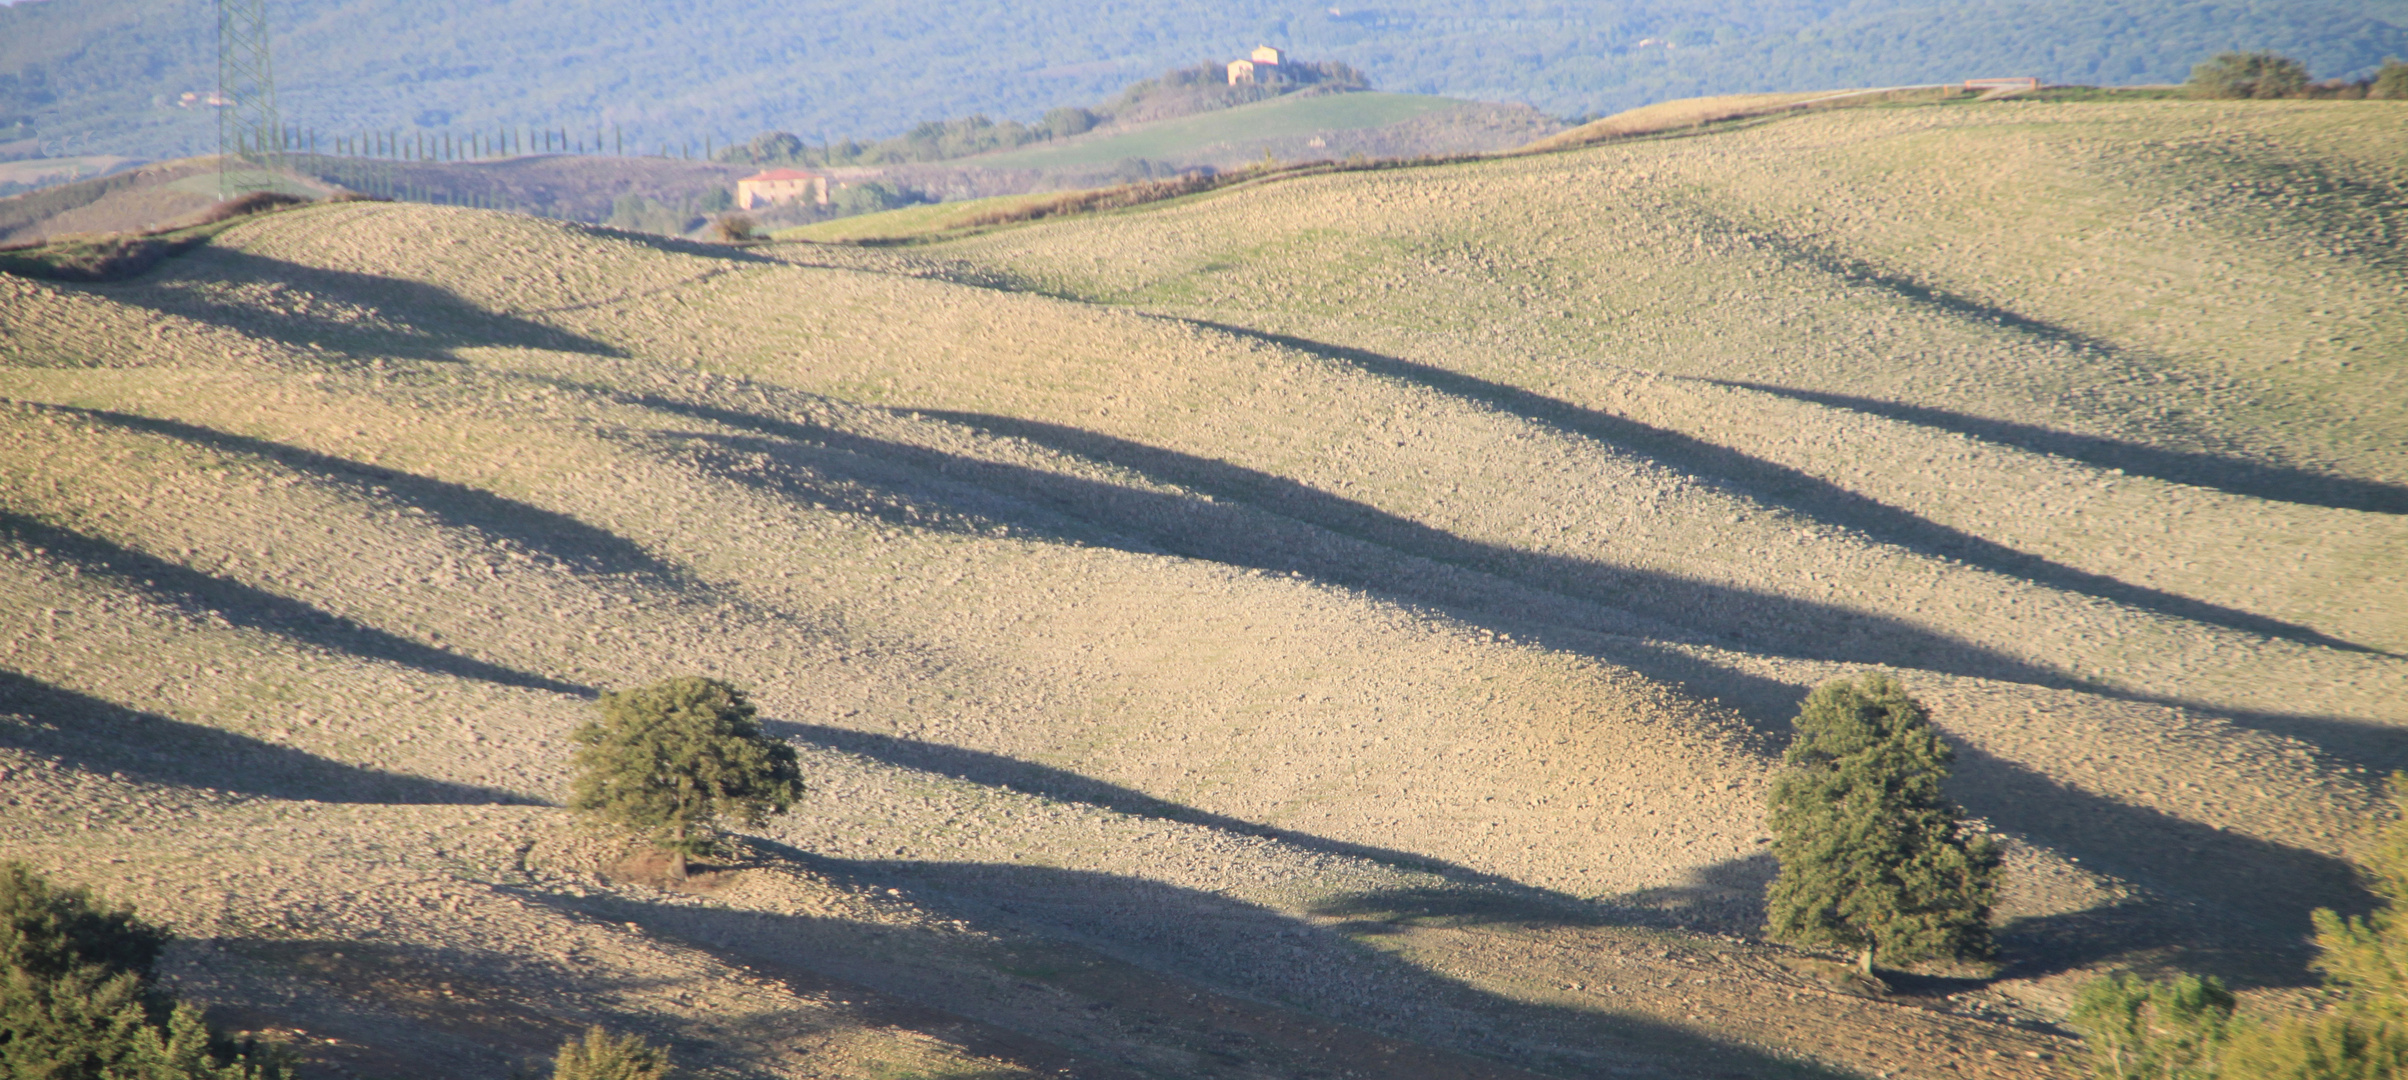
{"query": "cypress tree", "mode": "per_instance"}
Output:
(670, 759)
(1872, 858)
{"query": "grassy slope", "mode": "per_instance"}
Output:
(910, 221)
(1181, 138)
(1367, 563)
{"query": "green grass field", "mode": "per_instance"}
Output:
(1284, 117)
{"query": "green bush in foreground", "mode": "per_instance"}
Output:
(2140, 1030)
(77, 1003)
(670, 759)
(600, 1055)
(2249, 75)
(2184, 1029)
(1872, 858)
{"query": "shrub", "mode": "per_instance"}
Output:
(2184, 1030)
(76, 1000)
(2140, 1030)
(2345, 1047)
(2249, 75)
(1872, 858)
(869, 197)
(600, 1055)
(670, 759)
(2390, 82)
(733, 228)
(1067, 121)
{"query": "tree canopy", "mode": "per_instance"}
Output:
(77, 1001)
(672, 759)
(1872, 856)
(2249, 75)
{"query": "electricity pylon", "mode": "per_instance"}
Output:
(250, 135)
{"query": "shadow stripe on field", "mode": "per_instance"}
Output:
(195, 592)
(102, 737)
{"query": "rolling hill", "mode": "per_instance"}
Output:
(1334, 623)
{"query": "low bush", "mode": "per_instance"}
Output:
(77, 1001)
(600, 1055)
(2184, 1029)
(734, 228)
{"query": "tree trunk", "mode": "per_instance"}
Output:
(1864, 960)
(677, 861)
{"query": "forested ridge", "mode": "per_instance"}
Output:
(105, 75)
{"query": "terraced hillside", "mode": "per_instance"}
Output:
(1334, 626)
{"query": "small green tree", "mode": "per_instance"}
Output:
(1872, 857)
(600, 1055)
(2391, 81)
(670, 759)
(77, 1001)
(2249, 75)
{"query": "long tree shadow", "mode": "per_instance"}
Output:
(2219, 893)
(1797, 490)
(1031, 778)
(2232, 475)
(2268, 887)
(405, 319)
(197, 593)
(565, 539)
(1269, 522)
(98, 736)
(1146, 958)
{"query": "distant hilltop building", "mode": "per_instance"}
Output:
(781, 185)
(1250, 70)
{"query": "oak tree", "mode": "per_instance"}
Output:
(672, 759)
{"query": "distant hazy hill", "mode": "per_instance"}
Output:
(104, 75)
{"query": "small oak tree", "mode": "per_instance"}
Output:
(671, 759)
(1872, 857)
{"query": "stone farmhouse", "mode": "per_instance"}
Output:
(781, 185)
(1257, 68)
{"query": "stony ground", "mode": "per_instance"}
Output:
(1336, 627)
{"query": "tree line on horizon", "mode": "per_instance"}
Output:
(114, 68)
(2268, 75)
